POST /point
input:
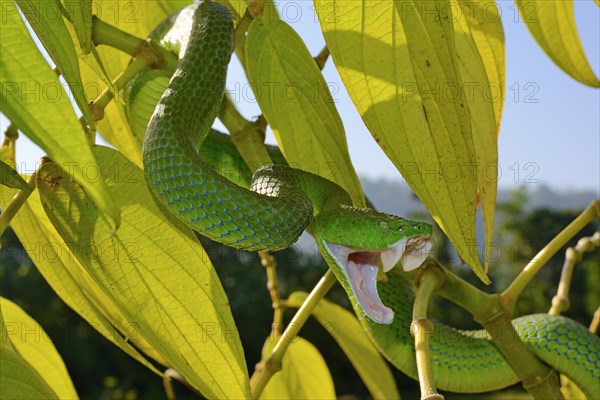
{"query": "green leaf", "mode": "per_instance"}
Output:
(482, 21)
(304, 373)
(35, 101)
(552, 24)
(11, 178)
(295, 99)
(19, 380)
(32, 343)
(138, 18)
(399, 63)
(349, 334)
(155, 271)
(45, 17)
(79, 13)
(480, 52)
(69, 280)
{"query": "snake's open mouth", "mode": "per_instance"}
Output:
(361, 267)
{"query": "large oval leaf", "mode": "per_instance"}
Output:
(349, 334)
(60, 268)
(35, 101)
(552, 24)
(156, 272)
(399, 63)
(303, 375)
(295, 99)
(36, 349)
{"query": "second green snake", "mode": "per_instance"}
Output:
(283, 201)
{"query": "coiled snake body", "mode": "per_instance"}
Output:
(283, 201)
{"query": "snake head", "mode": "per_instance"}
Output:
(356, 244)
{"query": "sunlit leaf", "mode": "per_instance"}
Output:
(69, 280)
(295, 99)
(304, 374)
(552, 24)
(79, 13)
(35, 101)
(19, 380)
(348, 333)
(45, 17)
(138, 18)
(480, 53)
(155, 271)
(32, 343)
(399, 63)
(11, 178)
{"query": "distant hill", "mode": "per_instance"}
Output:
(397, 197)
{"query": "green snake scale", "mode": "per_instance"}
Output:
(178, 152)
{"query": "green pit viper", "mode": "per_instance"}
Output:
(178, 150)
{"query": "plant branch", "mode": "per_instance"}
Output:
(106, 34)
(267, 368)
(15, 204)
(168, 376)
(537, 378)
(595, 324)
(247, 136)
(270, 264)
(510, 296)
(11, 134)
(144, 59)
(421, 329)
(560, 302)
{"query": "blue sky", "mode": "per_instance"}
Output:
(550, 131)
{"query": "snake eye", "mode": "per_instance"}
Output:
(383, 225)
(400, 228)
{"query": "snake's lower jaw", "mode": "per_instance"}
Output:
(361, 267)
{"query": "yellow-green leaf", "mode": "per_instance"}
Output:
(155, 271)
(32, 343)
(304, 374)
(348, 333)
(552, 24)
(45, 17)
(398, 61)
(35, 101)
(480, 53)
(295, 99)
(138, 18)
(482, 21)
(69, 280)
(11, 178)
(19, 380)
(79, 13)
